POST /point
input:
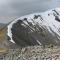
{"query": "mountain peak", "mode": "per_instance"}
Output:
(36, 29)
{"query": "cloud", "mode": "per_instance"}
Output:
(17, 8)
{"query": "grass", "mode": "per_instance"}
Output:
(2, 35)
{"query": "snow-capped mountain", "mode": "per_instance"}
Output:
(36, 29)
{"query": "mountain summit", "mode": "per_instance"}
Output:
(36, 29)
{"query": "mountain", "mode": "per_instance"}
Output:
(2, 24)
(36, 29)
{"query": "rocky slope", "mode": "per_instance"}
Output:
(32, 53)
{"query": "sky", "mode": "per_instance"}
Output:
(13, 9)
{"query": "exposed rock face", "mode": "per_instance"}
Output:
(36, 29)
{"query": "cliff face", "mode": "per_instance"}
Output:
(36, 29)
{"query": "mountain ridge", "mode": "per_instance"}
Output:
(35, 29)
